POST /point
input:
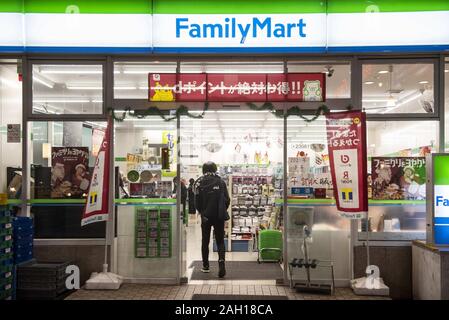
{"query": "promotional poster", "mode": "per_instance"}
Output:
(69, 172)
(96, 208)
(346, 135)
(398, 178)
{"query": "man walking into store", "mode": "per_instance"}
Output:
(212, 201)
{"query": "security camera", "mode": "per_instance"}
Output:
(329, 71)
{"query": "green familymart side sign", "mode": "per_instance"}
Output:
(440, 219)
(223, 26)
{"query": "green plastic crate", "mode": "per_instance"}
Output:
(270, 245)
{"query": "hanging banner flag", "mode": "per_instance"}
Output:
(346, 136)
(96, 208)
(223, 87)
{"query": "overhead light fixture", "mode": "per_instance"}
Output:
(383, 71)
(423, 82)
(71, 72)
(46, 83)
(369, 82)
(61, 101)
(391, 102)
(446, 71)
(83, 88)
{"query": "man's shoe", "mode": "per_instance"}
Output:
(205, 269)
(221, 269)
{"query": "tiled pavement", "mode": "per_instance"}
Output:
(185, 292)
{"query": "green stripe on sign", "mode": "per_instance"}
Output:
(11, 5)
(238, 6)
(358, 6)
(441, 170)
(87, 6)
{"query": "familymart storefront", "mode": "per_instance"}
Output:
(68, 68)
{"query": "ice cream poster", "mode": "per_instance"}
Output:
(69, 172)
(398, 178)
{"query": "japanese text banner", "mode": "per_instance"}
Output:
(346, 136)
(218, 87)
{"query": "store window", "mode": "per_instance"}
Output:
(61, 159)
(311, 203)
(338, 75)
(67, 89)
(10, 129)
(146, 155)
(131, 78)
(397, 178)
(398, 88)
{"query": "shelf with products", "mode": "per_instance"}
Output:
(253, 206)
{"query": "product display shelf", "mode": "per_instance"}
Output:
(6, 255)
(252, 204)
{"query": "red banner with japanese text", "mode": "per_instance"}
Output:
(346, 138)
(97, 204)
(244, 87)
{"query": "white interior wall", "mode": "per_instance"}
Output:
(388, 137)
(10, 113)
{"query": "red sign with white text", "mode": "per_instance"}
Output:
(346, 138)
(254, 87)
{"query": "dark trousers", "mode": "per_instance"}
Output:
(206, 227)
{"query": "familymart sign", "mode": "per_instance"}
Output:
(237, 30)
(223, 26)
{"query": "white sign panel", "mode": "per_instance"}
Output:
(239, 30)
(346, 172)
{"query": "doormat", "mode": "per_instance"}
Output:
(236, 297)
(239, 270)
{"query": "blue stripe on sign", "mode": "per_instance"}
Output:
(438, 220)
(386, 49)
(441, 234)
(226, 50)
(218, 50)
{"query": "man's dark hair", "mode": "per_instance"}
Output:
(209, 167)
(192, 181)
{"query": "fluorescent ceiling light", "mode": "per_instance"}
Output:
(423, 82)
(83, 88)
(71, 72)
(47, 83)
(60, 101)
(447, 70)
(369, 82)
(383, 71)
(375, 100)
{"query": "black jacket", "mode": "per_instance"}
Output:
(209, 190)
(191, 199)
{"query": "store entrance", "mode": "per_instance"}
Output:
(247, 147)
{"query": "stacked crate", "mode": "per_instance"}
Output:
(23, 239)
(6, 255)
(42, 280)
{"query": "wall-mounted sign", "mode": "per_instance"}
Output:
(346, 135)
(398, 178)
(13, 133)
(223, 26)
(438, 191)
(218, 87)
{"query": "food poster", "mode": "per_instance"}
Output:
(69, 172)
(398, 178)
